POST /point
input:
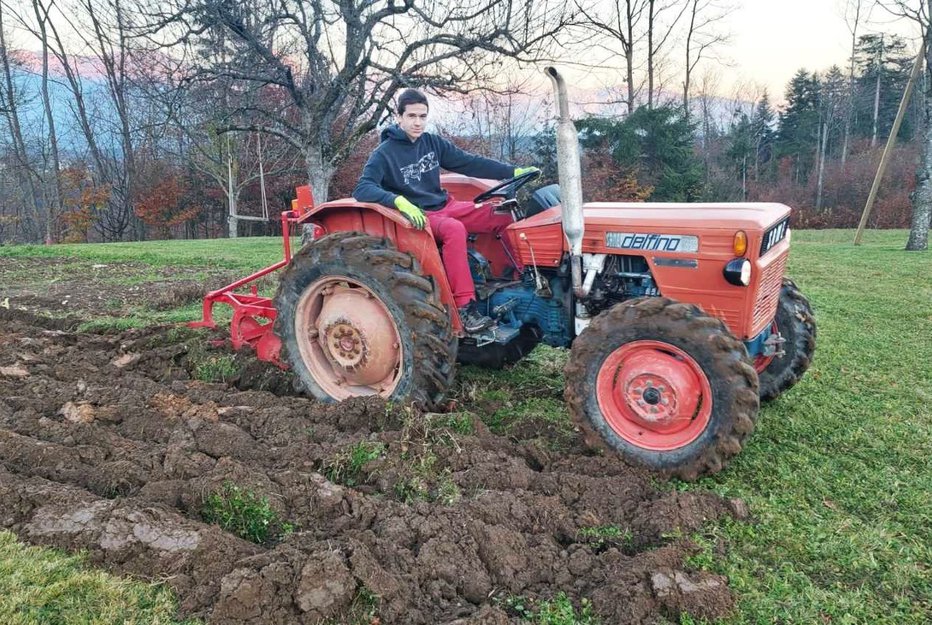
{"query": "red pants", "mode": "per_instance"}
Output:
(450, 225)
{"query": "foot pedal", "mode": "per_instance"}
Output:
(498, 334)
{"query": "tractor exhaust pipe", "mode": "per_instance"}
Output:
(570, 180)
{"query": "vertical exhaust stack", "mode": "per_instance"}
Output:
(570, 179)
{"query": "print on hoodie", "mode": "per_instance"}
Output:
(413, 171)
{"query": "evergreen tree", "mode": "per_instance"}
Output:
(883, 66)
(763, 133)
(544, 152)
(741, 150)
(798, 135)
(656, 144)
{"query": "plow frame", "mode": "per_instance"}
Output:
(254, 315)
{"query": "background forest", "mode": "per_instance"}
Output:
(130, 120)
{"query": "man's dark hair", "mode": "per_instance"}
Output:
(410, 96)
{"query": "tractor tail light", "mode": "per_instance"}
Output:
(740, 243)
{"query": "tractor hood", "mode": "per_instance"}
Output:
(747, 216)
(652, 216)
(539, 240)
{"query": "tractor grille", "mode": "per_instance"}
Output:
(768, 293)
(774, 235)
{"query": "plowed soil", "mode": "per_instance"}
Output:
(108, 445)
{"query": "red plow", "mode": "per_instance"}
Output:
(253, 314)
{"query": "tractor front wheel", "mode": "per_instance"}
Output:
(796, 324)
(663, 384)
(356, 317)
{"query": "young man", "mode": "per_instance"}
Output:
(404, 172)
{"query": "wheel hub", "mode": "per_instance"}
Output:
(357, 336)
(351, 343)
(654, 395)
(346, 345)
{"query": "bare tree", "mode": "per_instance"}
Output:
(28, 179)
(701, 37)
(855, 11)
(506, 120)
(620, 27)
(54, 202)
(337, 65)
(662, 19)
(106, 33)
(920, 12)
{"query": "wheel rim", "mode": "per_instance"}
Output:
(348, 339)
(761, 362)
(654, 395)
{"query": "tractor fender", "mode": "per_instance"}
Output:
(348, 215)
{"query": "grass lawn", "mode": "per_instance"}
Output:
(50, 587)
(246, 255)
(837, 476)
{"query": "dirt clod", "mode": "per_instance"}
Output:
(77, 413)
(15, 371)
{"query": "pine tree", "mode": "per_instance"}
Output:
(763, 133)
(658, 145)
(798, 135)
(883, 65)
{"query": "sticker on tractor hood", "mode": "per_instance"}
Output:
(652, 242)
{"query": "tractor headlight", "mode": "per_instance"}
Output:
(738, 272)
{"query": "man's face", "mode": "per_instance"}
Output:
(413, 120)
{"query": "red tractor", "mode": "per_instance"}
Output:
(678, 316)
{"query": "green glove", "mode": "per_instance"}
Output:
(520, 171)
(414, 214)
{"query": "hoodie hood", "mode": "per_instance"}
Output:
(394, 132)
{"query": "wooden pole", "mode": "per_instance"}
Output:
(891, 140)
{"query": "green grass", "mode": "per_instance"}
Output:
(246, 254)
(557, 611)
(347, 466)
(601, 536)
(46, 587)
(838, 472)
(240, 511)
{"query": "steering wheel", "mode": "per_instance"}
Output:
(499, 190)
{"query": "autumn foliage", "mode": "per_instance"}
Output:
(166, 203)
(604, 180)
(82, 200)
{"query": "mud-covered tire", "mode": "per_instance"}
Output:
(796, 323)
(428, 344)
(685, 336)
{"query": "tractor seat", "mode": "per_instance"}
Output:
(542, 199)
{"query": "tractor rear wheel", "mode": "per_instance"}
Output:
(663, 384)
(795, 323)
(356, 317)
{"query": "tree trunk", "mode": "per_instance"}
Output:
(54, 206)
(822, 148)
(629, 57)
(921, 198)
(319, 172)
(232, 219)
(877, 95)
(650, 54)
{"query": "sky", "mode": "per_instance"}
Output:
(769, 41)
(772, 39)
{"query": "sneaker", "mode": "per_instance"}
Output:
(473, 320)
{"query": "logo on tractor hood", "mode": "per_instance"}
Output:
(652, 242)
